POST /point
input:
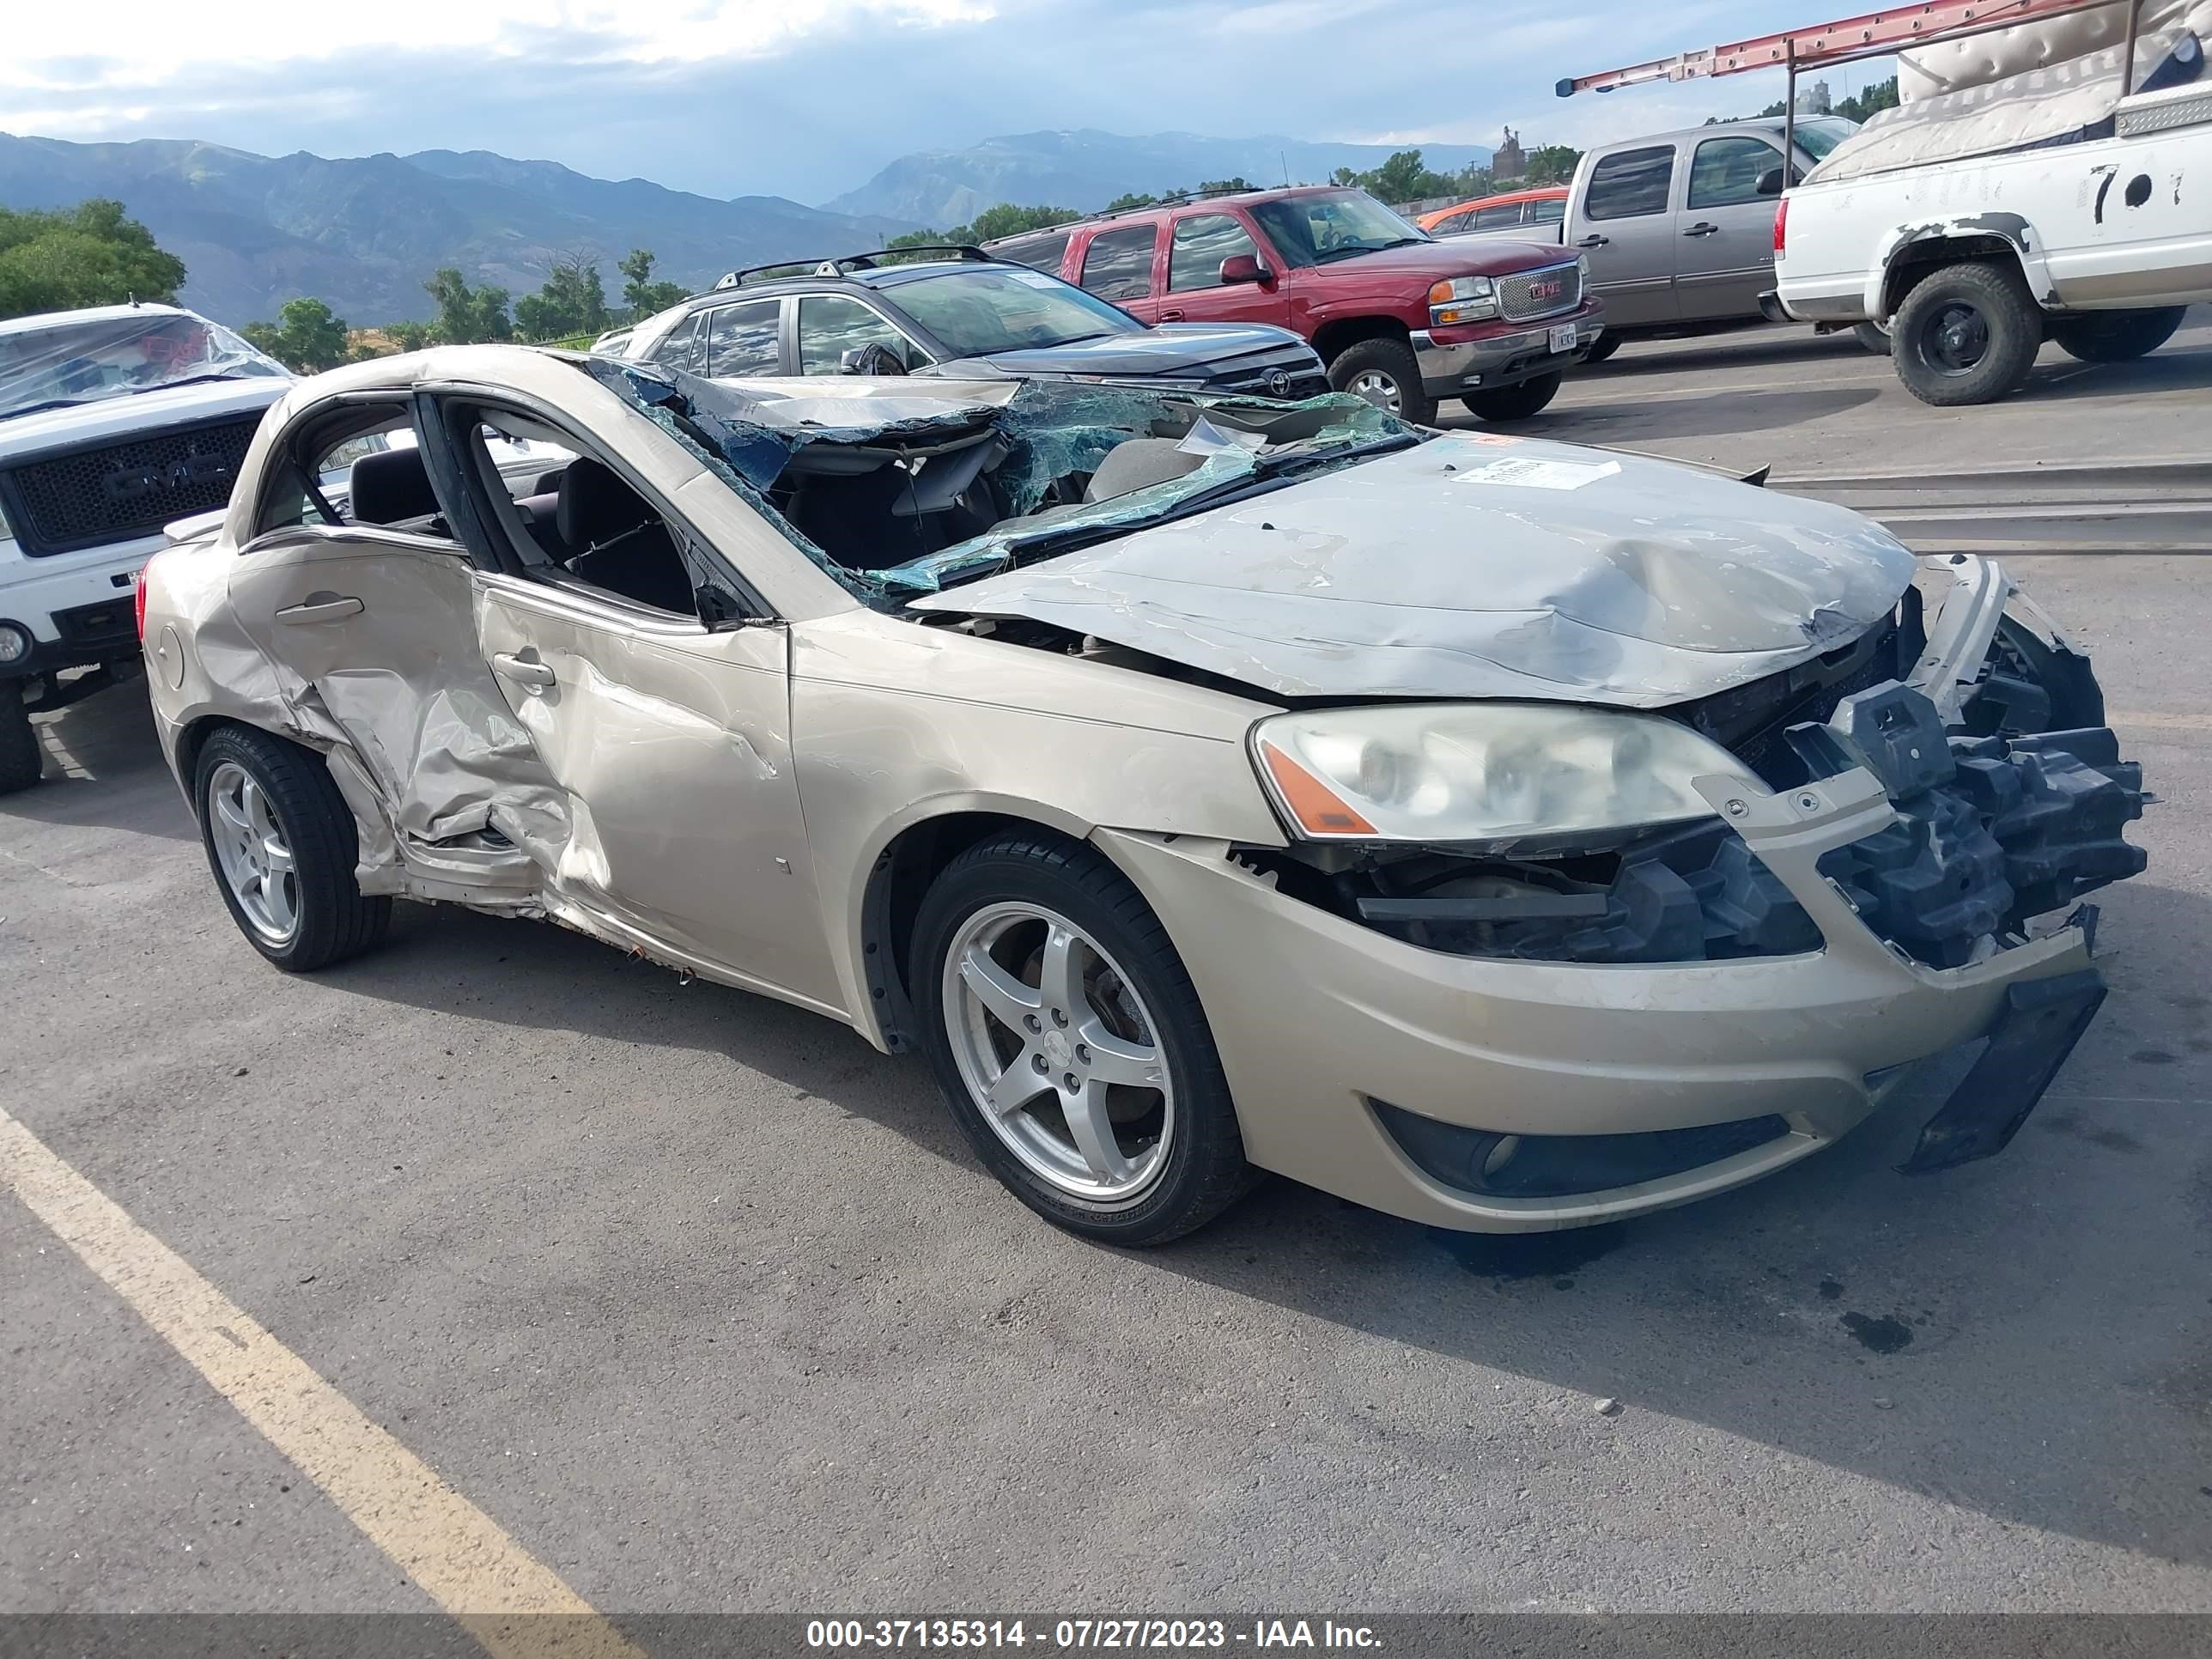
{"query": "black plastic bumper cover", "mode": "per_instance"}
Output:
(2042, 1021)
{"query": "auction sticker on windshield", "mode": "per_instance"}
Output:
(1539, 475)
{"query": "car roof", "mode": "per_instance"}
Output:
(1771, 124)
(1504, 198)
(45, 319)
(1137, 216)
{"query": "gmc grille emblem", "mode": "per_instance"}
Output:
(129, 484)
(1550, 290)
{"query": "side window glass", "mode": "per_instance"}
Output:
(1042, 252)
(1449, 223)
(1631, 183)
(1725, 172)
(1491, 218)
(1118, 264)
(1200, 243)
(1550, 211)
(742, 340)
(830, 325)
(679, 348)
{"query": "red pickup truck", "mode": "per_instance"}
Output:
(1400, 319)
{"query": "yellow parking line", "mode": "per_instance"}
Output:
(465, 1561)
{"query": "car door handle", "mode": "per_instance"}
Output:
(1701, 228)
(521, 670)
(322, 608)
(1170, 316)
(1593, 241)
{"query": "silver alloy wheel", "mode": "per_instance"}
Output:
(1379, 389)
(256, 859)
(1059, 1052)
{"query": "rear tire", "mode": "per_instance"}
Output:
(2116, 336)
(1514, 402)
(22, 760)
(1966, 333)
(1386, 373)
(1874, 336)
(298, 903)
(1176, 1158)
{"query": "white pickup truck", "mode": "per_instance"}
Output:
(114, 422)
(2027, 188)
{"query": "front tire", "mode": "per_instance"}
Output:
(1966, 334)
(1514, 402)
(279, 841)
(21, 759)
(2116, 336)
(1386, 373)
(1070, 1043)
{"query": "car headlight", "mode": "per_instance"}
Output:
(1482, 772)
(1462, 299)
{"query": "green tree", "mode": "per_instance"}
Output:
(305, 337)
(1223, 186)
(408, 336)
(1881, 95)
(1133, 199)
(573, 301)
(1003, 220)
(1551, 164)
(641, 295)
(56, 259)
(466, 314)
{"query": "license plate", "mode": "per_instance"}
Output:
(1563, 338)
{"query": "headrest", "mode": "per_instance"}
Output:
(392, 486)
(595, 506)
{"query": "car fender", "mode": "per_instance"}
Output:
(1977, 235)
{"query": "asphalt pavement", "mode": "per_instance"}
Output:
(707, 1306)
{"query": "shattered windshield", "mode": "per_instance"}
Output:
(977, 311)
(83, 362)
(1332, 225)
(898, 495)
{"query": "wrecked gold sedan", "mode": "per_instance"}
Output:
(1501, 834)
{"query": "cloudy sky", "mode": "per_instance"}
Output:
(806, 98)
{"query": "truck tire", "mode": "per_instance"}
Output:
(1514, 402)
(1384, 372)
(1966, 333)
(21, 758)
(1607, 344)
(1874, 336)
(2116, 336)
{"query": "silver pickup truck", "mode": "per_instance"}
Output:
(1679, 226)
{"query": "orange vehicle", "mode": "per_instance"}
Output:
(1537, 212)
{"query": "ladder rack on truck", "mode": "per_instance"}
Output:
(1846, 40)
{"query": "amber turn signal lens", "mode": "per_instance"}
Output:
(1318, 809)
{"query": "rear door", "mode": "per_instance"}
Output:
(1197, 244)
(1625, 225)
(1724, 246)
(1117, 266)
(742, 339)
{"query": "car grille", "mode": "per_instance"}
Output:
(1527, 294)
(117, 492)
(1301, 373)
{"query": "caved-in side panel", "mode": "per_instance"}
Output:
(372, 643)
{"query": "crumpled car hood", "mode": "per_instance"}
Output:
(1479, 566)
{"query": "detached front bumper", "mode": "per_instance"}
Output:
(1388, 1072)
(1487, 355)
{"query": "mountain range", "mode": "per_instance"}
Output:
(364, 233)
(1085, 169)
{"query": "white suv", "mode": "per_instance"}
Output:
(113, 422)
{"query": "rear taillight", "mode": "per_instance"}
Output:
(1781, 225)
(138, 603)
